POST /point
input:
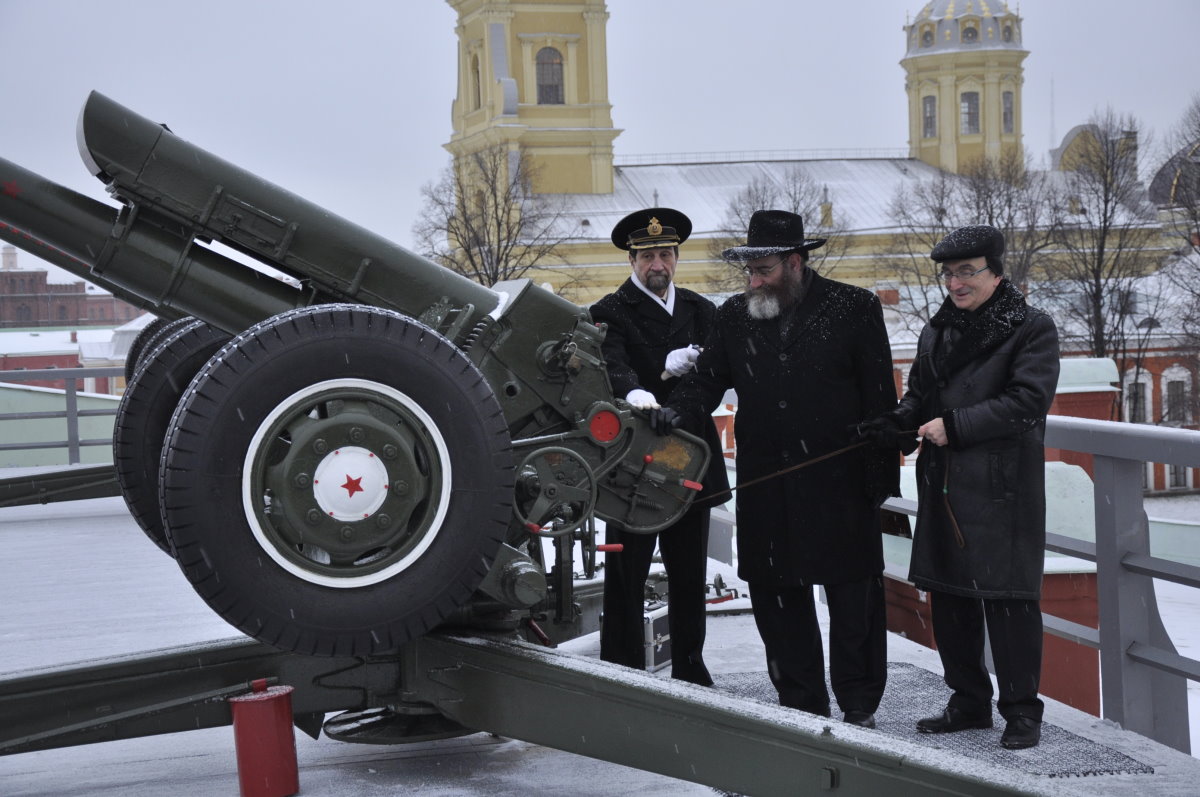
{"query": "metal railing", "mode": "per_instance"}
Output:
(70, 412)
(1143, 679)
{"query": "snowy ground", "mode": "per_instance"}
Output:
(79, 581)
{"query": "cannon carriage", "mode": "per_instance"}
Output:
(344, 445)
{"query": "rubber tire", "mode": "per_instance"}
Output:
(201, 480)
(145, 413)
(145, 342)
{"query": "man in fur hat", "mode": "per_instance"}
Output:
(654, 332)
(808, 357)
(978, 393)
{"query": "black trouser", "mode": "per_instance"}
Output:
(787, 622)
(1015, 629)
(684, 548)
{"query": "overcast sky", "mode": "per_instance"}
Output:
(348, 103)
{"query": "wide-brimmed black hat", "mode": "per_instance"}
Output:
(772, 232)
(652, 228)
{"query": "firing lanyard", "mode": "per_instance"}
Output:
(958, 535)
(778, 473)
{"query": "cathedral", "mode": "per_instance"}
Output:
(532, 76)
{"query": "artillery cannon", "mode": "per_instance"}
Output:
(346, 457)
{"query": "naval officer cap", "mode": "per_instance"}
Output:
(651, 228)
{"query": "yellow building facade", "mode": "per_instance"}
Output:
(533, 75)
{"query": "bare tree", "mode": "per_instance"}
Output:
(1106, 237)
(1002, 192)
(1177, 188)
(794, 191)
(483, 220)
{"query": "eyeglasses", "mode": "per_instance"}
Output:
(761, 271)
(962, 274)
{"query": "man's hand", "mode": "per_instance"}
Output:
(935, 432)
(664, 419)
(642, 399)
(680, 361)
(883, 433)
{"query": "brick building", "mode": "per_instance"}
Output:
(29, 299)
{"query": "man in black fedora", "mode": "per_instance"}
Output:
(808, 357)
(654, 329)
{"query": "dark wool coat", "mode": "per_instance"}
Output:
(640, 335)
(991, 375)
(798, 392)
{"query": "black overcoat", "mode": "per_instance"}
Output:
(992, 383)
(797, 393)
(640, 335)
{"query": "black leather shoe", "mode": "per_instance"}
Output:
(1021, 732)
(860, 718)
(952, 720)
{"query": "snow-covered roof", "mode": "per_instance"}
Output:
(51, 341)
(860, 190)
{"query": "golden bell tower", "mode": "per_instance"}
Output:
(963, 77)
(534, 74)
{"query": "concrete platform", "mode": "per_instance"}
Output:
(80, 581)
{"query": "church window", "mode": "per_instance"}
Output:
(476, 82)
(549, 77)
(969, 113)
(927, 38)
(1135, 402)
(1176, 410)
(1007, 116)
(970, 34)
(1007, 34)
(929, 117)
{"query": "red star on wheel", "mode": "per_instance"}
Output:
(352, 486)
(11, 189)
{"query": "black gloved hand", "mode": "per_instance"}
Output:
(883, 432)
(664, 419)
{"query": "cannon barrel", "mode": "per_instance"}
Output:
(380, 444)
(149, 167)
(136, 261)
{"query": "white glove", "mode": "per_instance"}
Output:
(642, 399)
(680, 361)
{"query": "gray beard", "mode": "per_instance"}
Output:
(762, 306)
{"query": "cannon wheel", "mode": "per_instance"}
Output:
(337, 481)
(145, 412)
(146, 340)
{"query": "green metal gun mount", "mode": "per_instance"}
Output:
(344, 445)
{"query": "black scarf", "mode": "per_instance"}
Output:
(982, 330)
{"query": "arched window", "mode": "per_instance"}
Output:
(929, 117)
(549, 76)
(969, 113)
(476, 79)
(927, 37)
(970, 35)
(1007, 34)
(1007, 123)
